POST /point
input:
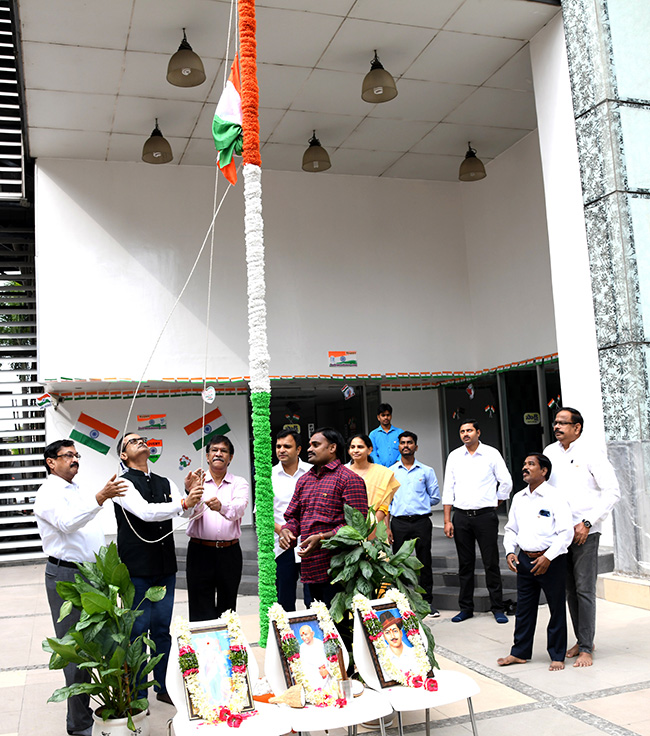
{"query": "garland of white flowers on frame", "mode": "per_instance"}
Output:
(189, 664)
(290, 650)
(419, 678)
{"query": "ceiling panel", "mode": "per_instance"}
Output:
(296, 128)
(51, 143)
(70, 110)
(420, 13)
(417, 100)
(425, 166)
(489, 142)
(137, 115)
(515, 73)
(503, 108)
(503, 18)
(387, 135)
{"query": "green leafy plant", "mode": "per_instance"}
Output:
(369, 566)
(100, 641)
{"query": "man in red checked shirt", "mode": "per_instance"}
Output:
(316, 513)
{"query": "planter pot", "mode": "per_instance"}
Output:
(120, 727)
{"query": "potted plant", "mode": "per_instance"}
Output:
(368, 566)
(101, 643)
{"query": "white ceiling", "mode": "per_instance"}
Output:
(95, 79)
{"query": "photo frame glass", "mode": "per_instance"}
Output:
(309, 636)
(212, 647)
(397, 646)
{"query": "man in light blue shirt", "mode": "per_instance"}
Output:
(410, 510)
(385, 438)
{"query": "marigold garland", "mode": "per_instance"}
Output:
(320, 697)
(189, 665)
(419, 678)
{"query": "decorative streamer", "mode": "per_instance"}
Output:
(258, 354)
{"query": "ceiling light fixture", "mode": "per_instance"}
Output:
(185, 68)
(378, 85)
(315, 158)
(156, 149)
(472, 168)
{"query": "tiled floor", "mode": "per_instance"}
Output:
(612, 697)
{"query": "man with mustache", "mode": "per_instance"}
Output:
(71, 532)
(539, 525)
(588, 481)
(315, 512)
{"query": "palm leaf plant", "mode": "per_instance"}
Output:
(369, 566)
(100, 642)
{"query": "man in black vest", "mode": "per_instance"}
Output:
(145, 541)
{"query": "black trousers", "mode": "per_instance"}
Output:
(468, 530)
(286, 581)
(212, 572)
(420, 528)
(529, 586)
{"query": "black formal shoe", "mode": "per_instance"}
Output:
(164, 698)
(462, 616)
(434, 612)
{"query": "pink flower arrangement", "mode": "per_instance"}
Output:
(369, 616)
(431, 684)
(288, 635)
(416, 681)
(374, 637)
(293, 657)
(234, 720)
(185, 650)
(341, 702)
(412, 632)
(191, 671)
(241, 668)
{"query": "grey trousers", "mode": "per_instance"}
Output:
(582, 571)
(80, 716)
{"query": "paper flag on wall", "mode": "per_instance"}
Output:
(44, 401)
(201, 430)
(94, 434)
(151, 421)
(155, 450)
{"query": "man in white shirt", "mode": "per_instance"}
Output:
(539, 525)
(284, 477)
(587, 479)
(476, 482)
(70, 532)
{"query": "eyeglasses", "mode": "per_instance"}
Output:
(562, 424)
(136, 441)
(69, 455)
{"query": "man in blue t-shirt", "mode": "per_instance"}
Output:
(385, 439)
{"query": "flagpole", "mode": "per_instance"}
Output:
(258, 355)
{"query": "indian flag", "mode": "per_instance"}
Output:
(155, 450)
(93, 433)
(227, 124)
(201, 430)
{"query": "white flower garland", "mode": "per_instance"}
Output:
(290, 650)
(230, 714)
(418, 678)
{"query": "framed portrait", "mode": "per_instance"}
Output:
(313, 657)
(212, 647)
(398, 649)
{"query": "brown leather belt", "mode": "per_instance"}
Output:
(219, 543)
(534, 555)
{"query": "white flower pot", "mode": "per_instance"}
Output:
(120, 727)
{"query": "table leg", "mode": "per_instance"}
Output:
(382, 727)
(427, 723)
(471, 716)
(400, 728)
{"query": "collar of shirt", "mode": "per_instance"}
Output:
(477, 451)
(329, 467)
(302, 468)
(400, 464)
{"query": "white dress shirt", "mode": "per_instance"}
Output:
(587, 479)
(539, 521)
(133, 502)
(67, 520)
(283, 487)
(471, 479)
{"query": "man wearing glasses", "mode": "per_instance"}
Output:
(146, 544)
(587, 479)
(71, 532)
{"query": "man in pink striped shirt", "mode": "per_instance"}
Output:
(214, 556)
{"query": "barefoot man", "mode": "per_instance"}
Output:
(540, 525)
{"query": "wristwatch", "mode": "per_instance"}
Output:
(587, 523)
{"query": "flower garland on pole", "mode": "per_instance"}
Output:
(189, 665)
(418, 678)
(290, 649)
(258, 355)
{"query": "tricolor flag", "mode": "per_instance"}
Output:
(93, 433)
(155, 450)
(44, 401)
(203, 428)
(227, 124)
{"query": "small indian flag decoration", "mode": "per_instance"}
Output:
(94, 434)
(155, 450)
(202, 430)
(227, 124)
(44, 401)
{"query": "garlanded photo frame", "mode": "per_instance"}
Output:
(310, 651)
(398, 654)
(214, 663)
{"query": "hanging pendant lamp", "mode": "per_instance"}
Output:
(378, 85)
(315, 158)
(471, 169)
(156, 149)
(185, 68)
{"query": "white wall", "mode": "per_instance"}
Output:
(96, 469)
